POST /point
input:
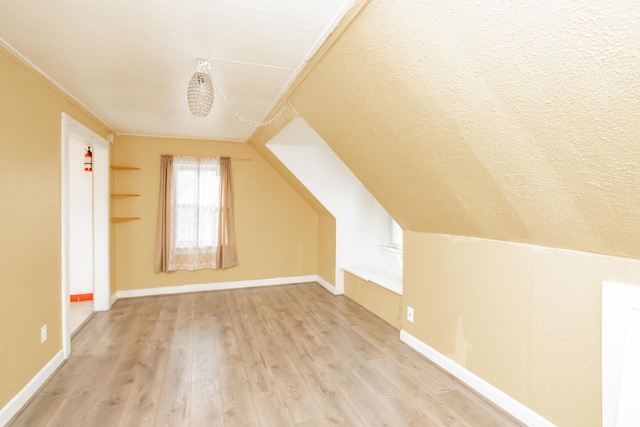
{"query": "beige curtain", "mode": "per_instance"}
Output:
(163, 230)
(227, 252)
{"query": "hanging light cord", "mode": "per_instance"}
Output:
(243, 118)
(205, 67)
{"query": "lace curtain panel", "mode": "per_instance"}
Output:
(195, 203)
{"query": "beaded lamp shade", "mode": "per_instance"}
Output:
(200, 91)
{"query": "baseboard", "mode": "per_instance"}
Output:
(19, 400)
(328, 286)
(168, 290)
(491, 393)
(113, 299)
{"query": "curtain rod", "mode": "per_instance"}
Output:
(232, 159)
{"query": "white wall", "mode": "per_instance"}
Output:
(362, 224)
(80, 221)
(620, 354)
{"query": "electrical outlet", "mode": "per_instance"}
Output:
(43, 334)
(410, 314)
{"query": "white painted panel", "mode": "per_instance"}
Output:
(80, 220)
(101, 274)
(619, 302)
(629, 393)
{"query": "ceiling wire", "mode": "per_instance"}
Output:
(205, 66)
(243, 118)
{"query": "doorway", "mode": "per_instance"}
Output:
(85, 221)
(80, 234)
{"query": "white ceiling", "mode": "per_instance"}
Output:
(129, 62)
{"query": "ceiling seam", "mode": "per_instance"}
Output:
(231, 61)
(179, 137)
(313, 61)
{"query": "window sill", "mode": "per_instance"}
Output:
(393, 250)
(377, 275)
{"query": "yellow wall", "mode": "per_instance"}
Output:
(380, 301)
(30, 134)
(276, 229)
(524, 318)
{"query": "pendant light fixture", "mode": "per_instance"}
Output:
(200, 96)
(200, 90)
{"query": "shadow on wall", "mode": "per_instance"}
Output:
(363, 226)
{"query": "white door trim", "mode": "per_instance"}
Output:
(100, 221)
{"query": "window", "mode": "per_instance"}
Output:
(395, 235)
(195, 213)
(196, 196)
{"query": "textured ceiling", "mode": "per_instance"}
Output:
(129, 62)
(515, 120)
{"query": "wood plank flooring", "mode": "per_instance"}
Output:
(290, 355)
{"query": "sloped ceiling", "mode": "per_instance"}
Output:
(129, 62)
(515, 121)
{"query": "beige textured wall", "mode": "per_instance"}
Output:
(464, 118)
(380, 301)
(30, 133)
(276, 229)
(524, 318)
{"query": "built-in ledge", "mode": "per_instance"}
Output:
(379, 276)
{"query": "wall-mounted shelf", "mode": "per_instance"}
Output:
(122, 196)
(125, 168)
(124, 219)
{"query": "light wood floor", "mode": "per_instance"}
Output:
(275, 356)
(79, 312)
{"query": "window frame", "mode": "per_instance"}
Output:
(396, 235)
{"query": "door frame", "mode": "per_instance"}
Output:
(101, 279)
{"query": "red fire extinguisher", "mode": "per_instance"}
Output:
(88, 160)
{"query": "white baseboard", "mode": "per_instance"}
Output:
(498, 397)
(167, 290)
(113, 299)
(19, 400)
(328, 286)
